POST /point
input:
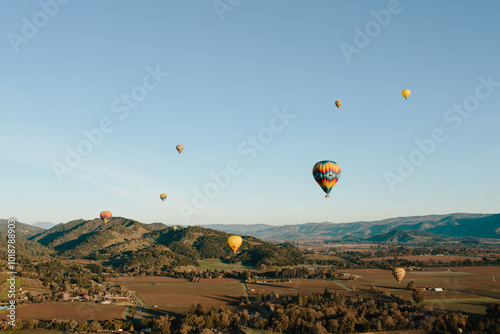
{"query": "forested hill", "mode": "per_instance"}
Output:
(21, 230)
(132, 245)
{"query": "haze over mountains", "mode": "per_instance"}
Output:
(129, 245)
(44, 225)
(454, 225)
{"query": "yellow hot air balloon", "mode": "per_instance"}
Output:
(105, 216)
(234, 242)
(399, 274)
(406, 93)
(163, 197)
(338, 103)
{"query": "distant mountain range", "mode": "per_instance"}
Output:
(129, 245)
(453, 225)
(85, 234)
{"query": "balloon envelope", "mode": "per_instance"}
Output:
(398, 274)
(406, 93)
(326, 173)
(163, 197)
(338, 103)
(179, 148)
(105, 216)
(234, 242)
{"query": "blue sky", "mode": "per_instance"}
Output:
(248, 87)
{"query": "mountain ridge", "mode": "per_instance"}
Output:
(453, 225)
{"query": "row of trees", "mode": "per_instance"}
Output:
(314, 313)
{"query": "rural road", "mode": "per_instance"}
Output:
(138, 309)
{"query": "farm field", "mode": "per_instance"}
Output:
(469, 289)
(216, 264)
(436, 258)
(293, 287)
(177, 295)
(31, 283)
(322, 257)
(146, 280)
(67, 311)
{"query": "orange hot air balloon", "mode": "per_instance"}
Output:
(234, 242)
(179, 148)
(163, 197)
(399, 274)
(338, 103)
(105, 216)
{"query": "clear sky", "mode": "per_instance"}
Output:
(95, 95)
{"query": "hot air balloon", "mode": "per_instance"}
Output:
(234, 242)
(338, 103)
(105, 216)
(326, 173)
(406, 93)
(179, 148)
(175, 228)
(163, 197)
(398, 274)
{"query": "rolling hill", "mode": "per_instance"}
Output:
(22, 230)
(131, 246)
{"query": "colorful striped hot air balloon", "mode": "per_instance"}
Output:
(398, 274)
(163, 197)
(338, 103)
(105, 216)
(179, 148)
(406, 93)
(326, 173)
(234, 242)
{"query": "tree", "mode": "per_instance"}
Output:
(259, 297)
(411, 285)
(326, 293)
(248, 274)
(200, 309)
(418, 296)
(161, 324)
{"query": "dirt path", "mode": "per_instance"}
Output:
(342, 285)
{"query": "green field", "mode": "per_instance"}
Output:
(469, 289)
(216, 264)
(469, 305)
(5, 289)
